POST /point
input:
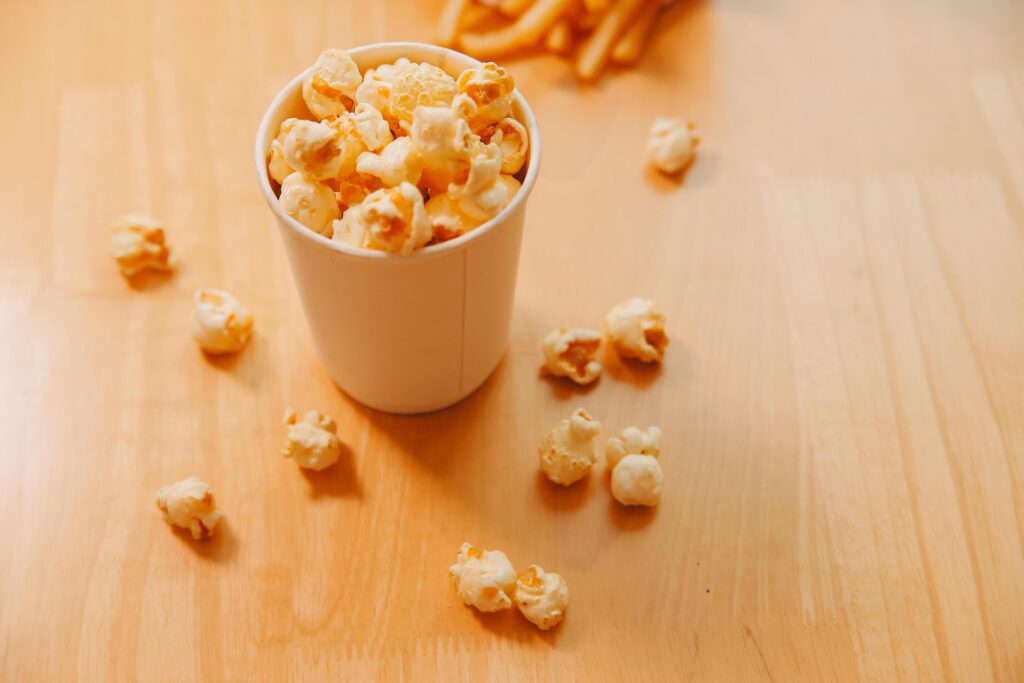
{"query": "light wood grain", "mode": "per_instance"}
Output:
(842, 402)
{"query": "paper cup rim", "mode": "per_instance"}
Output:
(457, 244)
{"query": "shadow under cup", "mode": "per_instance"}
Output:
(405, 334)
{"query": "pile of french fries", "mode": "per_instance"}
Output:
(597, 31)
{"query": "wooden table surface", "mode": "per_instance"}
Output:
(842, 401)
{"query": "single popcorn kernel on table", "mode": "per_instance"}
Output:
(633, 441)
(189, 504)
(671, 144)
(311, 203)
(391, 219)
(637, 480)
(483, 579)
(331, 86)
(567, 452)
(542, 597)
(312, 442)
(636, 329)
(137, 243)
(573, 353)
(220, 324)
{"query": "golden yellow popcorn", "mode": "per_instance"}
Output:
(354, 188)
(671, 144)
(278, 166)
(637, 480)
(399, 162)
(137, 243)
(633, 441)
(331, 87)
(484, 579)
(447, 219)
(312, 442)
(398, 89)
(480, 194)
(542, 597)
(514, 142)
(567, 451)
(391, 219)
(220, 324)
(573, 353)
(309, 202)
(189, 504)
(445, 141)
(490, 87)
(636, 329)
(311, 148)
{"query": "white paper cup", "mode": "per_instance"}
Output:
(405, 334)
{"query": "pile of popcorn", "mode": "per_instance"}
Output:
(401, 157)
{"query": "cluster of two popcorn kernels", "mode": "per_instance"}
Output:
(391, 137)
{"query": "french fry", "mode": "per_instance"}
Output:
(594, 51)
(514, 8)
(596, 6)
(475, 15)
(526, 31)
(631, 44)
(559, 39)
(451, 17)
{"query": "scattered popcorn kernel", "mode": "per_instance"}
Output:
(637, 480)
(312, 442)
(189, 504)
(573, 354)
(567, 451)
(633, 441)
(312, 148)
(398, 89)
(447, 220)
(671, 144)
(490, 87)
(277, 166)
(220, 324)
(541, 597)
(391, 219)
(514, 142)
(484, 579)
(331, 87)
(445, 142)
(309, 202)
(636, 328)
(399, 162)
(137, 243)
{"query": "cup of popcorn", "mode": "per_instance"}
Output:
(399, 175)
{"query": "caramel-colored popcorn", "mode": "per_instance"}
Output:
(189, 504)
(567, 452)
(542, 597)
(490, 87)
(636, 329)
(137, 243)
(484, 579)
(573, 353)
(312, 442)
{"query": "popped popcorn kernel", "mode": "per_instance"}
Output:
(349, 137)
(372, 127)
(490, 87)
(399, 162)
(480, 194)
(567, 452)
(220, 324)
(671, 144)
(483, 579)
(542, 597)
(447, 219)
(398, 89)
(312, 442)
(573, 353)
(446, 143)
(137, 243)
(512, 139)
(277, 165)
(354, 188)
(189, 504)
(331, 87)
(391, 219)
(633, 441)
(311, 148)
(309, 202)
(637, 480)
(636, 329)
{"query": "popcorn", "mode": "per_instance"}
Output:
(356, 133)
(514, 142)
(391, 219)
(311, 147)
(399, 162)
(637, 480)
(484, 579)
(189, 504)
(636, 328)
(541, 597)
(447, 219)
(220, 324)
(480, 195)
(445, 141)
(567, 451)
(398, 89)
(372, 127)
(137, 243)
(277, 165)
(354, 188)
(490, 87)
(671, 144)
(573, 353)
(312, 442)
(633, 441)
(309, 202)
(331, 87)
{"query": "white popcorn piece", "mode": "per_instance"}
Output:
(312, 148)
(331, 86)
(514, 142)
(189, 504)
(567, 452)
(309, 202)
(392, 219)
(137, 243)
(484, 579)
(220, 324)
(481, 195)
(277, 166)
(398, 89)
(445, 142)
(637, 480)
(312, 442)
(636, 329)
(399, 162)
(633, 441)
(573, 353)
(372, 127)
(671, 144)
(447, 219)
(490, 87)
(542, 597)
